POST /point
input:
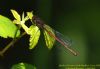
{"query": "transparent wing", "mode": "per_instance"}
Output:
(52, 34)
(63, 38)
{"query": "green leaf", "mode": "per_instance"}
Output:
(23, 66)
(7, 28)
(16, 15)
(24, 18)
(34, 36)
(30, 14)
(48, 38)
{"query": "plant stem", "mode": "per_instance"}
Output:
(10, 44)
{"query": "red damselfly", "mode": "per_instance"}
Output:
(52, 34)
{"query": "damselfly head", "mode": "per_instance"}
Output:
(38, 21)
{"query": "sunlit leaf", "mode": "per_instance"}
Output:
(16, 21)
(23, 15)
(24, 18)
(23, 66)
(7, 28)
(30, 15)
(16, 15)
(34, 36)
(49, 39)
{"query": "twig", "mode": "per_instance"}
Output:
(10, 44)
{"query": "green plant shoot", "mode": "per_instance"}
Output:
(33, 31)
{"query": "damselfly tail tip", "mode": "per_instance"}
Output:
(75, 53)
(72, 51)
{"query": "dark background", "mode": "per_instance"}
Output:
(77, 19)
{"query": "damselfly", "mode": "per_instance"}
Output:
(51, 33)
